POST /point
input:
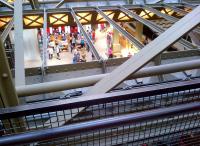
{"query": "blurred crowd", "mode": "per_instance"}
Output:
(74, 43)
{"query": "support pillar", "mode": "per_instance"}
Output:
(44, 49)
(19, 49)
(8, 95)
(7, 88)
(139, 31)
(157, 61)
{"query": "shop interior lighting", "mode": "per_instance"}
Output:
(146, 14)
(58, 19)
(34, 20)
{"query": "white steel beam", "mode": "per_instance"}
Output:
(19, 49)
(150, 51)
(34, 4)
(165, 16)
(157, 28)
(7, 4)
(45, 45)
(58, 5)
(178, 10)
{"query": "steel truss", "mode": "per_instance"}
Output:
(155, 27)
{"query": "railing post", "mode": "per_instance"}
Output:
(44, 48)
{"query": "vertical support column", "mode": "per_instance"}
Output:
(157, 61)
(44, 49)
(7, 88)
(8, 95)
(139, 31)
(19, 48)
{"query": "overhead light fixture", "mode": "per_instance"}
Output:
(169, 11)
(145, 14)
(10, 1)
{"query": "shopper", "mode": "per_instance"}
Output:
(83, 54)
(57, 48)
(76, 56)
(82, 42)
(73, 43)
(110, 53)
(52, 44)
(129, 54)
(93, 57)
(93, 35)
(50, 51)
(102, 27)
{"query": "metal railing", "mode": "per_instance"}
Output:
(54, 114)
(81, 82)
(168, 125)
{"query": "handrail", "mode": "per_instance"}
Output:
(52, 106)
(110, 62)
(54, 86)
(47, 134)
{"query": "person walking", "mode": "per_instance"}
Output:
(110, 53)
(50, 51)
(73, 43)
(83, 54)
(93, 35)
(82, 42)
(57, 48)
(76, 56)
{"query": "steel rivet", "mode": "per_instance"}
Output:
(4, 75)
